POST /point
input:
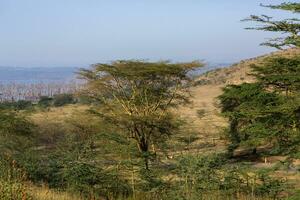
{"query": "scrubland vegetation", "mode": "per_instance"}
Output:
(148, 130)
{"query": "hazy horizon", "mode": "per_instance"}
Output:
(53, 33)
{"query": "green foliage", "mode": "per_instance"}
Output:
(12, 180)
(266, 112)
(137, 95)
(296, 196)
(270, 186)
(23, 105)
(57, 101)
(16, 105)
(211, 176)
(294, 7)
(92, 181)
(45, 101)
(200, 173)
(12, 123)
(282, 74)
(76, 161)
(15, 131)
(287, 26)
(63, 99)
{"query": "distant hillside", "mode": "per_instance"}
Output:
(239, 72)
(203, 113)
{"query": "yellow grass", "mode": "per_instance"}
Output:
(44, 193)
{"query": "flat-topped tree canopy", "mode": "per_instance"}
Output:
(137, 95)
(134, 80)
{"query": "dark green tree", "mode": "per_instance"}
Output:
(259, 117)
(279, 73)
(267, 112)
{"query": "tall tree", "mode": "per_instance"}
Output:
(289, 27)
(137, 96)
(259, 113)
(260, 116)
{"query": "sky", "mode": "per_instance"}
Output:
(53, 33)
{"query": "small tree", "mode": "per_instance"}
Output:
(137, 96)
(291, 27)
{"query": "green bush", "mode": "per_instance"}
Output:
(16, 105)
(204, 175)
(45, 101)
(23, 105)
(12, 123)
(295, 196)
(12, 186)
(90, 180)
(63, 99)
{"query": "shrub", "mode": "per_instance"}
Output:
(63, 99)
(45, 101)
(203, 175)
(12, 186)
(23, 105)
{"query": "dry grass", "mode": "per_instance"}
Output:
(239, 73)
(44, 193)
(57, 114)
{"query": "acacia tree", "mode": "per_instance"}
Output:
(280, 74)
(259, 113)
(291, 27)
(137, 96)
(259, 116)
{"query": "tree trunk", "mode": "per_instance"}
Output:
(144, 149)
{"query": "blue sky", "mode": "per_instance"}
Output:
(82, 32)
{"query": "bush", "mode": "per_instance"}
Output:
(295, 196)
(13, 124)
(204, 175)
(45, 101)
(92, 181)
(16, 105)
(12, 186)
(63, 99)
(23, 105)
(269, 185)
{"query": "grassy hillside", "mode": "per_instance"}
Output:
(239, 73)
(203, 112)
